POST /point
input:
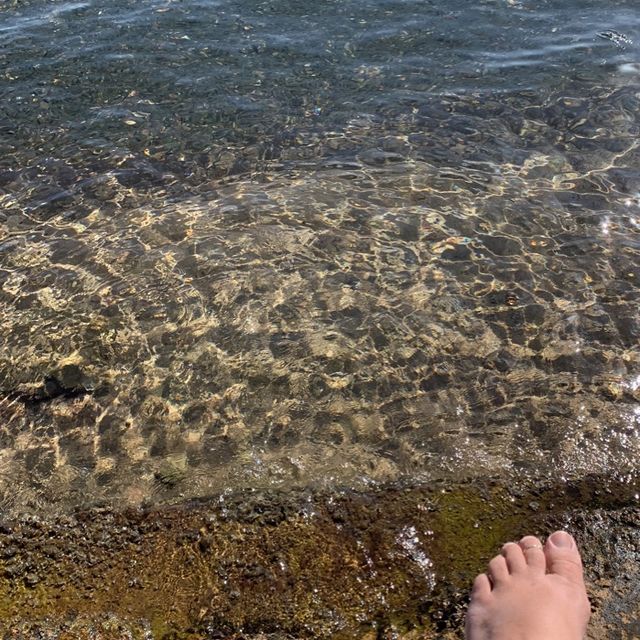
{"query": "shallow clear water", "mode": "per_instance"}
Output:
(289, 243)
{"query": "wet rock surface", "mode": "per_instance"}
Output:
(392, 563)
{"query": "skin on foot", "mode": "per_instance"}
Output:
(531, 592)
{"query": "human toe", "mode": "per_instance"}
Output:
(512, 553)
(533, 552)
(563, 557)
(498, 570)
(481, 590)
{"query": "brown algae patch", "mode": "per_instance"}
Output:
(308, 565)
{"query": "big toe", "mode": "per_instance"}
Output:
(563, 557)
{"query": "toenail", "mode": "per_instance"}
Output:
(561, 539)
(537, 545)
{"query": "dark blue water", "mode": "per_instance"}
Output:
(194, 77)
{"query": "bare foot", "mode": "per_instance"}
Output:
(531, 592)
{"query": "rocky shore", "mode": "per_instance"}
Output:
(395, 562)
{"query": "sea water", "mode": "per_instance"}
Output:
(330, 243)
